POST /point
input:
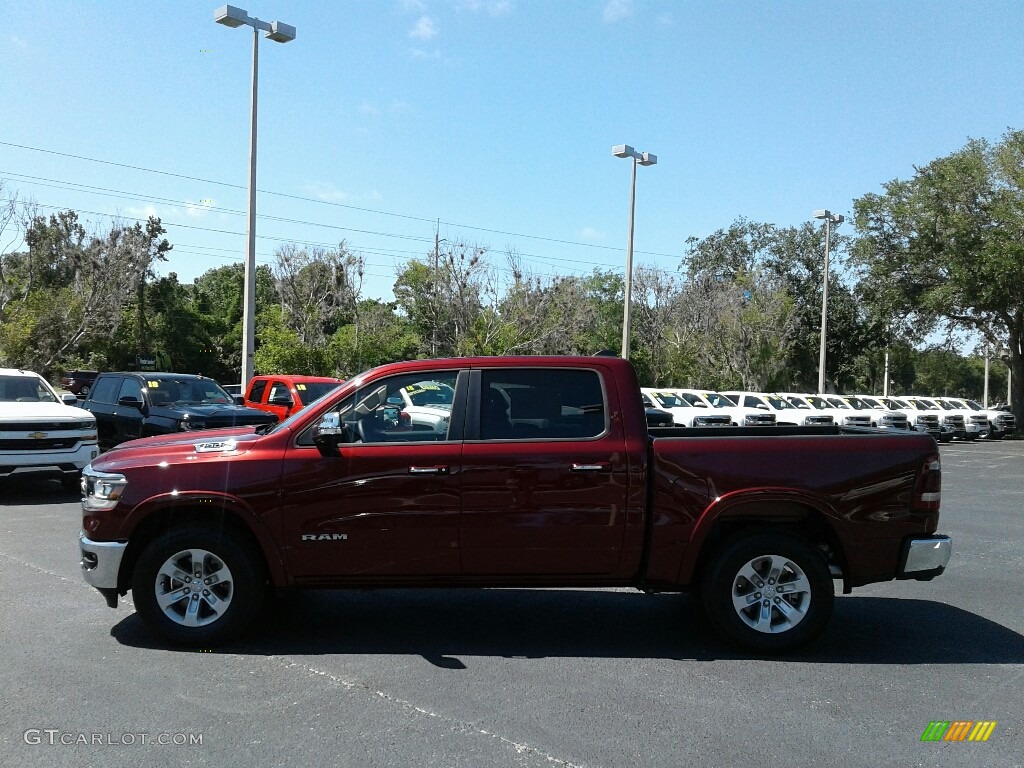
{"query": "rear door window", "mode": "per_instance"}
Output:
(105, 389)
(541, 403)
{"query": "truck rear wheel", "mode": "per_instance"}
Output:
(768, 591)
(197, 586)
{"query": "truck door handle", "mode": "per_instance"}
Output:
(602, 467)
(438, 470)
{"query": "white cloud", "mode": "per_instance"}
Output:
(412, 6)
(367, 108)
(198, 210)
(18, 41)
(144, 213)
(328, 193)
(666, 20)
(493, 7)
(589, 233)
(617, 10)
(331, 194)
(425, 29)
(418, 53)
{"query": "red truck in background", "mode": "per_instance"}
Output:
(282, 395)
(546, 476)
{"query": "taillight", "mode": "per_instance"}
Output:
(928, 488)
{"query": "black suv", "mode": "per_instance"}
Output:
(131, 405)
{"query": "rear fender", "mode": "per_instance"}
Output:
(776, 508)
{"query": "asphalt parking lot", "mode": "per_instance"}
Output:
(482, 678)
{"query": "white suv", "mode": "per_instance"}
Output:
(999, 422)
(686, 412)
(741, 417)
(41, 431)
(786, 413)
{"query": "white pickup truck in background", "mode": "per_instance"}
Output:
(684, 412)
(41, 431)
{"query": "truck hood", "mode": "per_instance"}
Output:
(41, 412)
(215, 415)
(172, 448)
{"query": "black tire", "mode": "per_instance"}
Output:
(794, 615)
(225, 598)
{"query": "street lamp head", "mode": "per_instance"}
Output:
(623, 150)
(230, 16)
(825, 213)
(648, 159)
(280, 32)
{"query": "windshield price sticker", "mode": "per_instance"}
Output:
(153, 384)
(300, 387)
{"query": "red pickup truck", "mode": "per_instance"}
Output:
(544, 475)
(282, 394)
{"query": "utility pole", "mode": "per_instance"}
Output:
(433, 302)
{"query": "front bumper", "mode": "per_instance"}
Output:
(65, 461)
(923, 558)
(101, 564)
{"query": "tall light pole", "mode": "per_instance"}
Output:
(230, 16)
(830, 218)
(643, 158)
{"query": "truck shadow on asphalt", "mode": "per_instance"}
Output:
(25, 489)
(443, 625)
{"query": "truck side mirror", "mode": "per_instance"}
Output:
(130, 402)
(69, 398)
(330, 434)
(239, 399)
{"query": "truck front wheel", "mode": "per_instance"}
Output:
(768, 591)
(197, 586)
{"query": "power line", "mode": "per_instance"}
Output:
(89, 189)
(311, 243)
(328, 202)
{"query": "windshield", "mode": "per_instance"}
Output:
(872, 402)
(779, 403)
(186, 391)
(798, 402)
(838, 402)
(856, 403)
(316, 389)
(719, 401)
(25, 389)
(819, 402)
(974, 405)
(427, 393)
(670, 400)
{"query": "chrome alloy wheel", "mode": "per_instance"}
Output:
(194, 588)
(771, 594)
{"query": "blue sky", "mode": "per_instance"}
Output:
(496, 117)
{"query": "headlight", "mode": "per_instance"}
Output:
(189, 424)
(101, 490)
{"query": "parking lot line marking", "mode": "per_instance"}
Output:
(458, 725)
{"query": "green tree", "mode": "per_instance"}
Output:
(947, 247)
